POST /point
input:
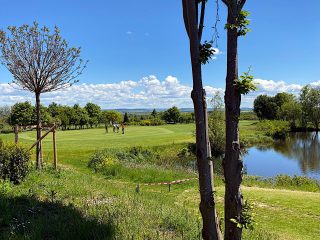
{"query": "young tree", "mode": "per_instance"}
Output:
(236, 26)
(201, 54)
(40, 61)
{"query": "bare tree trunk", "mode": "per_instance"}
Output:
(232, 162)
(39, 150)
(211, 230)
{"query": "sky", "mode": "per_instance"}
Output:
(138, 50)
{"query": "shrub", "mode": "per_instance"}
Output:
(101, 160)
(14, 162)
(276, 129)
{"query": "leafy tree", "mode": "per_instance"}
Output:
(21, 114)
(125, 118)
(111, 116)
(53, 109)
(236, 26)
(94, 112)
(217, 127)
(265, 107)
(154, 113)
(64, 116)
(172, 115)
(45, 116)
(310, 101)
(5, 112)
(291, 111)
(40, 61)
(200, 54)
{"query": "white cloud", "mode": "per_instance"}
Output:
(148, 92)
(273, 86)
(129, 32)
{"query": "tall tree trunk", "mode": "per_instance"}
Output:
(232, 162)
(211, 230)
(39, 150)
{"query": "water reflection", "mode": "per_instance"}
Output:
(304, 148)
(298, 155)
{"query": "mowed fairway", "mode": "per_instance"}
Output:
(75, 146)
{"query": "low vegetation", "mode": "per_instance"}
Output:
(94, 190)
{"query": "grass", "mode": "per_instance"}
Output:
(98, 206)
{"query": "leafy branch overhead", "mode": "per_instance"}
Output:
(206, 52)
(241, 24)
(245, 84)
(39, 60)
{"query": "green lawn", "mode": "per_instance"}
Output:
(75, 146)
(99, 208)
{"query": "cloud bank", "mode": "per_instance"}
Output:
(148, 92)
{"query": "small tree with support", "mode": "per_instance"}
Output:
(40, 61)
(53, 129)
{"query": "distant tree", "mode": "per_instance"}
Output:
(64, 117)
(83, 117)
(217, 133)
(5, 112)
(291, 111)
(21, 114)
(125, 118)
(53, 109)
(310, 102)
(172, 115)
(40, 62)
(94, 112)
(265, 107)
(45, 116)
(154, 113)
(111, 116)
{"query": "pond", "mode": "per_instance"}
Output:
(298, 155)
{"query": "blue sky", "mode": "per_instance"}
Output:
(131, 41)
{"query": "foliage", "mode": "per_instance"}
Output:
(245, 84)
(94, 112)
(241, 23)
(126, 118)
(111, 116)
(265, 107)
(310, 101)
(22, 114)
(14, 162)
(206, 52)
(216, 123)
(172, 115)
(247, 220)
(276, 129)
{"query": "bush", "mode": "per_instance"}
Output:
(276, 129)
(14, 162)
(101, 160)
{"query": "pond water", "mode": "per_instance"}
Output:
(298, 155)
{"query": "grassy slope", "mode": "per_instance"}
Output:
(288, 214)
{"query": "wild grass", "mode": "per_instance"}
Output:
(77, 203)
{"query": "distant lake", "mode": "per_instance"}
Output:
(298, 155)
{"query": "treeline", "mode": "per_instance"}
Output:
(301, 112)
(89, 116)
